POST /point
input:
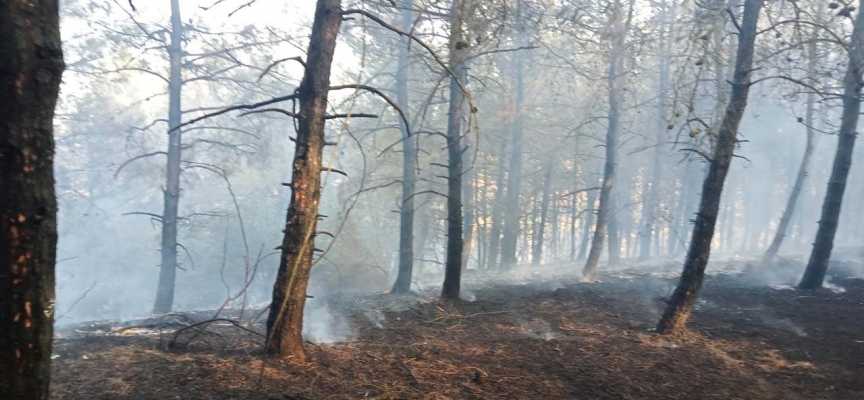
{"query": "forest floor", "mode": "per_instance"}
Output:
(541, 338)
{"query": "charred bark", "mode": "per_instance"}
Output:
(817, 266)
(31, 64)
(453, 263)
(681, 303)
(285, 322)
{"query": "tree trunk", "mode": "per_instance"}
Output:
(511, 213)
(587, 224)
(614, 82)
(681, 303)
(468, 201)
(497, 210)
(171, 193)
(453, 265)
(285, 322)
(649, 209)
(795, 194)
(613, 232)
(817, 266)
(537, 254)
(409, 168)
(31, 64)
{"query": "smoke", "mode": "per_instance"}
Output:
(322, 324)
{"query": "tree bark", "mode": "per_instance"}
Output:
(453, 264)
(587, 224)
(31, 64)
(468, 201)
(614, 82)
(409, 167)
(537, 254)
(649, 209)
(285, 322)
(681, 303)
(511, 214)
(497, 211)
(613, 233)
(817, 266)
(171, 194)
(803, 169)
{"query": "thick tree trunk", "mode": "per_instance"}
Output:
(409, 168)
(171, 193)
(453, 265)
(817, 266)
(537, 254)
(681, 303)
(31, 63)
(285, 322)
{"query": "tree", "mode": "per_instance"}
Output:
(810, 145)
(31, 65)
(680, 305)
(168, 267)
(510, 233)
(458, 49)
(409, 167)
(817, 266)
(285, 322)
(618, 30)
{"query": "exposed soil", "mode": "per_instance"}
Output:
(539, 340)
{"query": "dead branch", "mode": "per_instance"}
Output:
(428, 48)
(381, 95)
(75, 303)
(277, 62)
(157, 216)
(129, 161)
(276, 110)
(580, 191)
(334, 170)
(358, 115)
(210, 321)
(238, 107)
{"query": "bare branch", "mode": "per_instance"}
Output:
(238, 107)
(277, 62)
(157, 216)
(381, 95)
(129, 161)
(428, 48)
(334, 170)
(266, 110)
(358, 115)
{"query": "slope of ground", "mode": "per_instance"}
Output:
(556, 339)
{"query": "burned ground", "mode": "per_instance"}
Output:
(549, 339)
